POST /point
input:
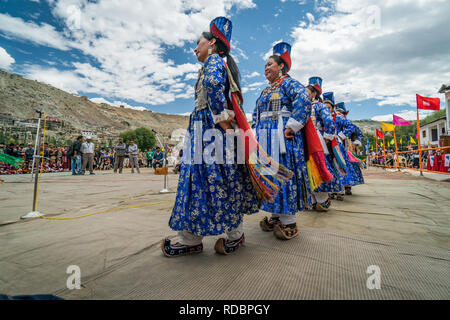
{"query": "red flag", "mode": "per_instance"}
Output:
(380, 134)
(428, 103)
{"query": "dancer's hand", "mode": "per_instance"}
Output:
(289, 133)
(227, 124)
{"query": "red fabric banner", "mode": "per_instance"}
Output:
(380, 134)
(427, 103)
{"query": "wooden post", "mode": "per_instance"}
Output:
(396, 150)
(419, 144)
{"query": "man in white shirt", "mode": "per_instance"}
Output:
(88, 149)
(133, 153)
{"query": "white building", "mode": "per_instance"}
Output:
(431, 132)
(445, 89)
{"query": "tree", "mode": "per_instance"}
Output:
(143, 137)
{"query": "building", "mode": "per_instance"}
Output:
(430, 133)
(445, 89)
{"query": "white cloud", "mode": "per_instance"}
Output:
(310, 17)
(252, 75)
(43, 34)
(128, 44)
(64, 80)
(5, 59)
(389, 52)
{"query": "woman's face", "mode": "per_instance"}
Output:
(330, 107)
(201, 51)
(272, 70)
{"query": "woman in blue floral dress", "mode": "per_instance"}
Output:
(345, 129)
(324, 123)
(281, 112)
(213, 192)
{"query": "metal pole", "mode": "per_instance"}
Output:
(35, 145)
(38, 156)
(165, 190)
(420, 145)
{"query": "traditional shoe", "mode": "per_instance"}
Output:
(340, 197)
(321, 207)
(285, 232)
(348, 191)
(267, 224)
(332, 195)
(177, 249)
(225, 246)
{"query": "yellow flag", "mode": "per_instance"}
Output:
(401, 141)
(387, 127)
(412, 140)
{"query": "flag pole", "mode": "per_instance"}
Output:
(376, 147)
(396, 150)
(420, 145)
(384, 151)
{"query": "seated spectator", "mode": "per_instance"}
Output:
(158, 158)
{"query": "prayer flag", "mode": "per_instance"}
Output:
(380, 134)
(427, 103)
(387, 127)
(399, 121)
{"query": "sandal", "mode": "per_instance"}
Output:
(340, 197)
(322, 207)
(267, 224)
(177, 249)
(285, 232)
(225, 246)
(348, 191)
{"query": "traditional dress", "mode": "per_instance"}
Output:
(324, 123)
(359, 179)
(213, 194)
(344, 129)
(282, 105)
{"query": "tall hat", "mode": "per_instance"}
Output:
(316, 82)
(283, 50)
(341, 108)
(328, 97)
(221, 28)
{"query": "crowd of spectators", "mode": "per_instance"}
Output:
(82, 156)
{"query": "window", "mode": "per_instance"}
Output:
(443, 130)
(434, 134)
(424, 134)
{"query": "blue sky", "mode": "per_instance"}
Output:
(375, 55)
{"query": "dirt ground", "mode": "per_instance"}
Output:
(125, 217)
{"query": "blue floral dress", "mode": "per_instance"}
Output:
(344, 129)
(323, 120)
(287, 104)
(211, 198)
(359, 179)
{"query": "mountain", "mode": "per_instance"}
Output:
(20, 97)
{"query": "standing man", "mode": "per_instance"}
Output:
(75, 155)
(88, 149)
(119, 149)
(29, 154)
(133, 152)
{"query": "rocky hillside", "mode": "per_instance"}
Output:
(19, 97)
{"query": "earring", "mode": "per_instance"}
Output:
(210, 50)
